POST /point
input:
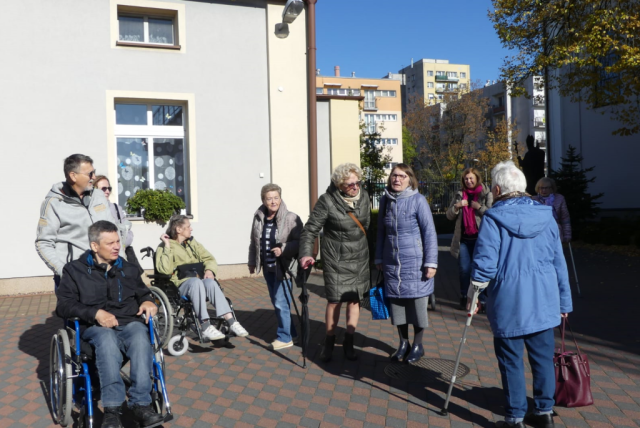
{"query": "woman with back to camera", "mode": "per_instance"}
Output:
(344, 213)
(407, 253)
(467, 209)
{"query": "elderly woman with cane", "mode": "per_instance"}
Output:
(547, 194)
(275, 234)
(519, 259)
(344, 213)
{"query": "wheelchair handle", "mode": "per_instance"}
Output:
(147, 251)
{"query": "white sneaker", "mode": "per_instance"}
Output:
(212, 333)
(238, 330)
(276, 344)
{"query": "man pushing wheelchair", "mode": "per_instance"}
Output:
(109, 297)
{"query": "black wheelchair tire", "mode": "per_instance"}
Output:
(60, 380)
(164, 317)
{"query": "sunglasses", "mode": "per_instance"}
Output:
(104, 189)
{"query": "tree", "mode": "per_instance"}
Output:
(592, 45)
(497, 146)
(449, 133)
(572, 182)
(373, 155)
(409, 149)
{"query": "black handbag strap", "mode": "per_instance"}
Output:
(565, 322)
(118, 212)
(377, 283)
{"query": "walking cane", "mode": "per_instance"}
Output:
(474, 301)
(575, 273)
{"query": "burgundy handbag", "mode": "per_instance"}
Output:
(573, 377)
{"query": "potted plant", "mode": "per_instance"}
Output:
(155, 205)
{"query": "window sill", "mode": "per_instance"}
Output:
(148, 45)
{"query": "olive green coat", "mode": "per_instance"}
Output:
(190, 251)
(344, 248)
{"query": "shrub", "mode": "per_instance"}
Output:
(158, 205)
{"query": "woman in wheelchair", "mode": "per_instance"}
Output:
(192, 269)
(107, 294)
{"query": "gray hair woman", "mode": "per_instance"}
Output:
(549, 196)
(275, 238)
(344, 213)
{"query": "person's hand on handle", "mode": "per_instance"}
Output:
(209, 274)
(429, 272)
(252, 269)
(165, 238)
(106, 319)
(475, 205)
(564, 315)
(478, 304)
(277, 251)
(306, 262)
(148, 309)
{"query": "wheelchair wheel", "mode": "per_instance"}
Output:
(164, 317)
(178, 345)
(60, 380)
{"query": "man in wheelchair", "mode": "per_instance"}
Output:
(107, 294)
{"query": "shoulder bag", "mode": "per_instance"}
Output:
(573, 376)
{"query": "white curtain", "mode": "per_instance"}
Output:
(161, 31)
(131, 29)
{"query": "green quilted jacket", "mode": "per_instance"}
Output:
(343, 246)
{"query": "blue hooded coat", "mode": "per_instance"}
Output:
(406, 243)
(520, 254)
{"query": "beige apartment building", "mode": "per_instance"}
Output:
(431, 79)
(380, 106)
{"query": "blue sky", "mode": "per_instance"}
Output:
(374, 37)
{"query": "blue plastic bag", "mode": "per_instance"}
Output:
(379, 303)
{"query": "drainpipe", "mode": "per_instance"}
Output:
(312, 108)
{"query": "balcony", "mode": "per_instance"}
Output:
(498, 110)
(370, 105)
(446, 79)
(538, 101)
(538, 122)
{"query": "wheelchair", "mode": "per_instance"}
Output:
(70, 377)
(176, 311)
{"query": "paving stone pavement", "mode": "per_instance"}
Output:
(253, 386)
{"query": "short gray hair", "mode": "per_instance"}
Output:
(100, 227)
(510, 179)
(271, 187)
(73, 162)
(174, 223)
(343, 171)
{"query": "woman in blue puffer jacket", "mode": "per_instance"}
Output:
(407, 253)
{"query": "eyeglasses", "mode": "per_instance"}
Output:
(400, 176)
(91, 174)
(545, 188)
(104, 189)
(352, 185)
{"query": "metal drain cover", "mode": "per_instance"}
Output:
(427, 369)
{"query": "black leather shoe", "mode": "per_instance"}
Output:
(505, 424)
(347, 346)
(402, 352)
(463, 303)
(112, 417)
(145, 416)
(417, 351)
(327, 349)
(540, 421)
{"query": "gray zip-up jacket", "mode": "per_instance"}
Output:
(64, 226)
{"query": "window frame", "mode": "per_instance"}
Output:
(148, 10)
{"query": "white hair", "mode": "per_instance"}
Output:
(343, 171)
(510, 179)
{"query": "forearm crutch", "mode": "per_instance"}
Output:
(474, 301)
(575, 273)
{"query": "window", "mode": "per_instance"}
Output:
(452, 74)
(441, 85)
(381, 117)
(431, 96)
(147, 27)
(343, 91)
(441, 73)
(319, 91)
(463, 75)
(440, 97)
(429, 84)
(430, 73)
(388, 141)
(391, 165)
(380, 94)
(150, 145)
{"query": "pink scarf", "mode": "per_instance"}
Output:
(468, 214)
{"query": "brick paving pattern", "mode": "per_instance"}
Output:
(253, 386)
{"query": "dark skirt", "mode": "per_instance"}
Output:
(410, 311)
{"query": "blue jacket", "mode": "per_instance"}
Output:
(520, 253)
(407, 242)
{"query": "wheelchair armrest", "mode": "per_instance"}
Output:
(159, 276)
(74, 319)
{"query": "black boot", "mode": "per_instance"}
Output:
(327, 349)
(112, 417)
(417, 351)
(347, 347)
(540, 421)
(145, 415)
(402, 352)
